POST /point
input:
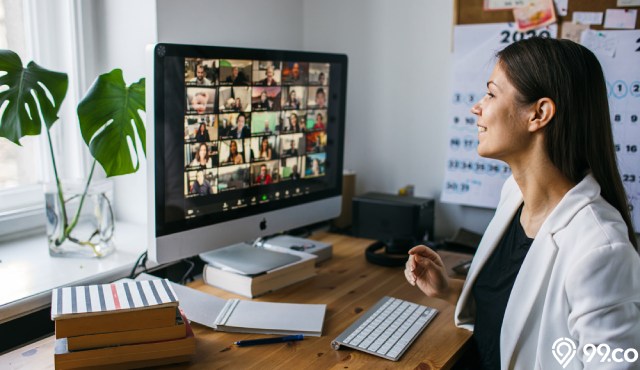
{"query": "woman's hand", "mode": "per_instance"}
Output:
(425, 269)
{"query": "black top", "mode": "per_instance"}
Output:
(493, 288)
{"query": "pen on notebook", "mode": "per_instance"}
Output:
(254, 342)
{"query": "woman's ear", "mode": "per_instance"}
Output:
(542, 112)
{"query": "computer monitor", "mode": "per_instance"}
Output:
(241, 143)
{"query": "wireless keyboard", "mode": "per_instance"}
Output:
(387, 329)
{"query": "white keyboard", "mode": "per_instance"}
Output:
(387, 329)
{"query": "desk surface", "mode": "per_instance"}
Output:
(348, 285)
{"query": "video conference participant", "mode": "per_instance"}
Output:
(237, 77)
(241, 130)
(292, 150)
(234, 156)
(293, 123)
(263, 177)
(295, 73)
(292, 101)
(200, 78)
(319, 123)
(200, 186)
(224, 130)
(201, 157)
(321, 99)
(269, 80)
(202, 135)
(200, 100)
(234, 177)
(264, 103)
(266, 152)
(559, 260)
(295, 174)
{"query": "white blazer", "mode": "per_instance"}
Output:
(580, 280)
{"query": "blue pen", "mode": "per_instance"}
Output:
(254, 342)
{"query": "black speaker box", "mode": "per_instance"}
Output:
(400, 222)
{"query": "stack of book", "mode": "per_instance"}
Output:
(125, 324)
(218, 274)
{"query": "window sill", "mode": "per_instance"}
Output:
(28, 273)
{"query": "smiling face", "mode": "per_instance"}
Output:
(501, 119)
(320, 98)
(199, 102)
(200, 72)
(202, 152)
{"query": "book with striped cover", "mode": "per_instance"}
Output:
(115, 307)
(118, 296)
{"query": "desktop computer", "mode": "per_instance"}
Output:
(241, 143)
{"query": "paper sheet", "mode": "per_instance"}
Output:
(628, 3)
(502, 4)
(594, 18)
(622, 73)
(572, 31)
(620, 18)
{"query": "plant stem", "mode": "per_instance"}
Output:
(73, 223)
(63, 209)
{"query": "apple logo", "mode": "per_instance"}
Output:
(263, 224)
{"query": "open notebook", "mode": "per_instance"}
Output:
(271, 318)
(244, 316)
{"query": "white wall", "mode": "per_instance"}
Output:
(116, 33)
(398, 88)
(398, 94)
(269, 24)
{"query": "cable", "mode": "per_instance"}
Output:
(142, 260)
(187, 274)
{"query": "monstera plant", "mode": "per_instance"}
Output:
(109, 118)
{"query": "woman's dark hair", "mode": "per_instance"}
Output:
(578, 138)
(206, 155)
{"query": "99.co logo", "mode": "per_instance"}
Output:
(606, 354)
(564, 350)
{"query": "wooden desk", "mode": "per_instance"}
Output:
(348, 285)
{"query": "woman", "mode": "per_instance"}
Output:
(315, 167)
(294, 125)
(234, 156)
(202, 135)
(201, 158)
(293, 101)
(319, 125)
(264, 103)
(558, 262)
(265, 150)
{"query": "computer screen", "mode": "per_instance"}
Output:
(241, 143)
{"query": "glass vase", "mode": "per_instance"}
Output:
(82, 230)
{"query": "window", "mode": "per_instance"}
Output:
(21, 169)
(14, 159)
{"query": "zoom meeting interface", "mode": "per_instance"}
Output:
(254, 132)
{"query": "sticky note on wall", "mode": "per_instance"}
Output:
(621, 18)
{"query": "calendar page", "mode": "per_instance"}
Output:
(469, 178)
(619, 55)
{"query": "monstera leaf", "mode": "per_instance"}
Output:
(111, 124)
(27, 94)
